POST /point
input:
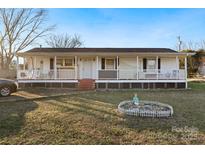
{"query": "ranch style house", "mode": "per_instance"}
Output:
(102, 68)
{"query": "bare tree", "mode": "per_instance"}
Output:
(19, 29)
(202, 44)
(64, 41)
(190, 45)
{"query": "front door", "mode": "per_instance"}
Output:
(87, 69)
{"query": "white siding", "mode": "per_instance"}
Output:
(128, 63)
(140, 64)
(45, 60)
(99, 63)
(94, 68)
(128, 68)
(169, 64)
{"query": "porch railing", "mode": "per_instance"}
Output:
(121, 74)
(126, 74)
(162, 74)
(46, 74)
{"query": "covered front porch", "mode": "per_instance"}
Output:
(141, 67)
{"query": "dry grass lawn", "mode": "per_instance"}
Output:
(92, 118)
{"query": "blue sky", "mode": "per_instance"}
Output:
(130, 27)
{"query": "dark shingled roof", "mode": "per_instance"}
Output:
(103, 50)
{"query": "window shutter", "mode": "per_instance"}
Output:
(103, 63)
(144, 64)
(159, 63)
(116, 63)
(51, 63)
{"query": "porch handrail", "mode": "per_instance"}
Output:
(133, 74)
(156, 74)
(46, 74)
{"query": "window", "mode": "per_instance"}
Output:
(68, 62)
(65, 62)
(51, 63)
(117, 62)
(59, 62)
(144, 64)
(159, 64)
(110, 64)
(103, 64)
(151, 64)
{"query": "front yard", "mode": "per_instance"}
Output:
(92, 118)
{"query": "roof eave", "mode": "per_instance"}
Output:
(102, 53)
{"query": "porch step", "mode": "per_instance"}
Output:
(86, 84)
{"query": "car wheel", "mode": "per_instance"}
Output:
(5, 91)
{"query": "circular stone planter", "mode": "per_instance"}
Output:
(146, 109)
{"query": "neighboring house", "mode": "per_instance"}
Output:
(102, 68)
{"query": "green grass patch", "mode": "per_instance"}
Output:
(198, 85)
(92, 118)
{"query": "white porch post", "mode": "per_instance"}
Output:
(17, 67)
(97, 67)
(76, 71)
(137, 67)
(157, 67)
(24, 66)
(117, 68)
(177, 66)
(177, 62)
(185, 64)
(35, 62)
(55, 68)
(35, 70)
